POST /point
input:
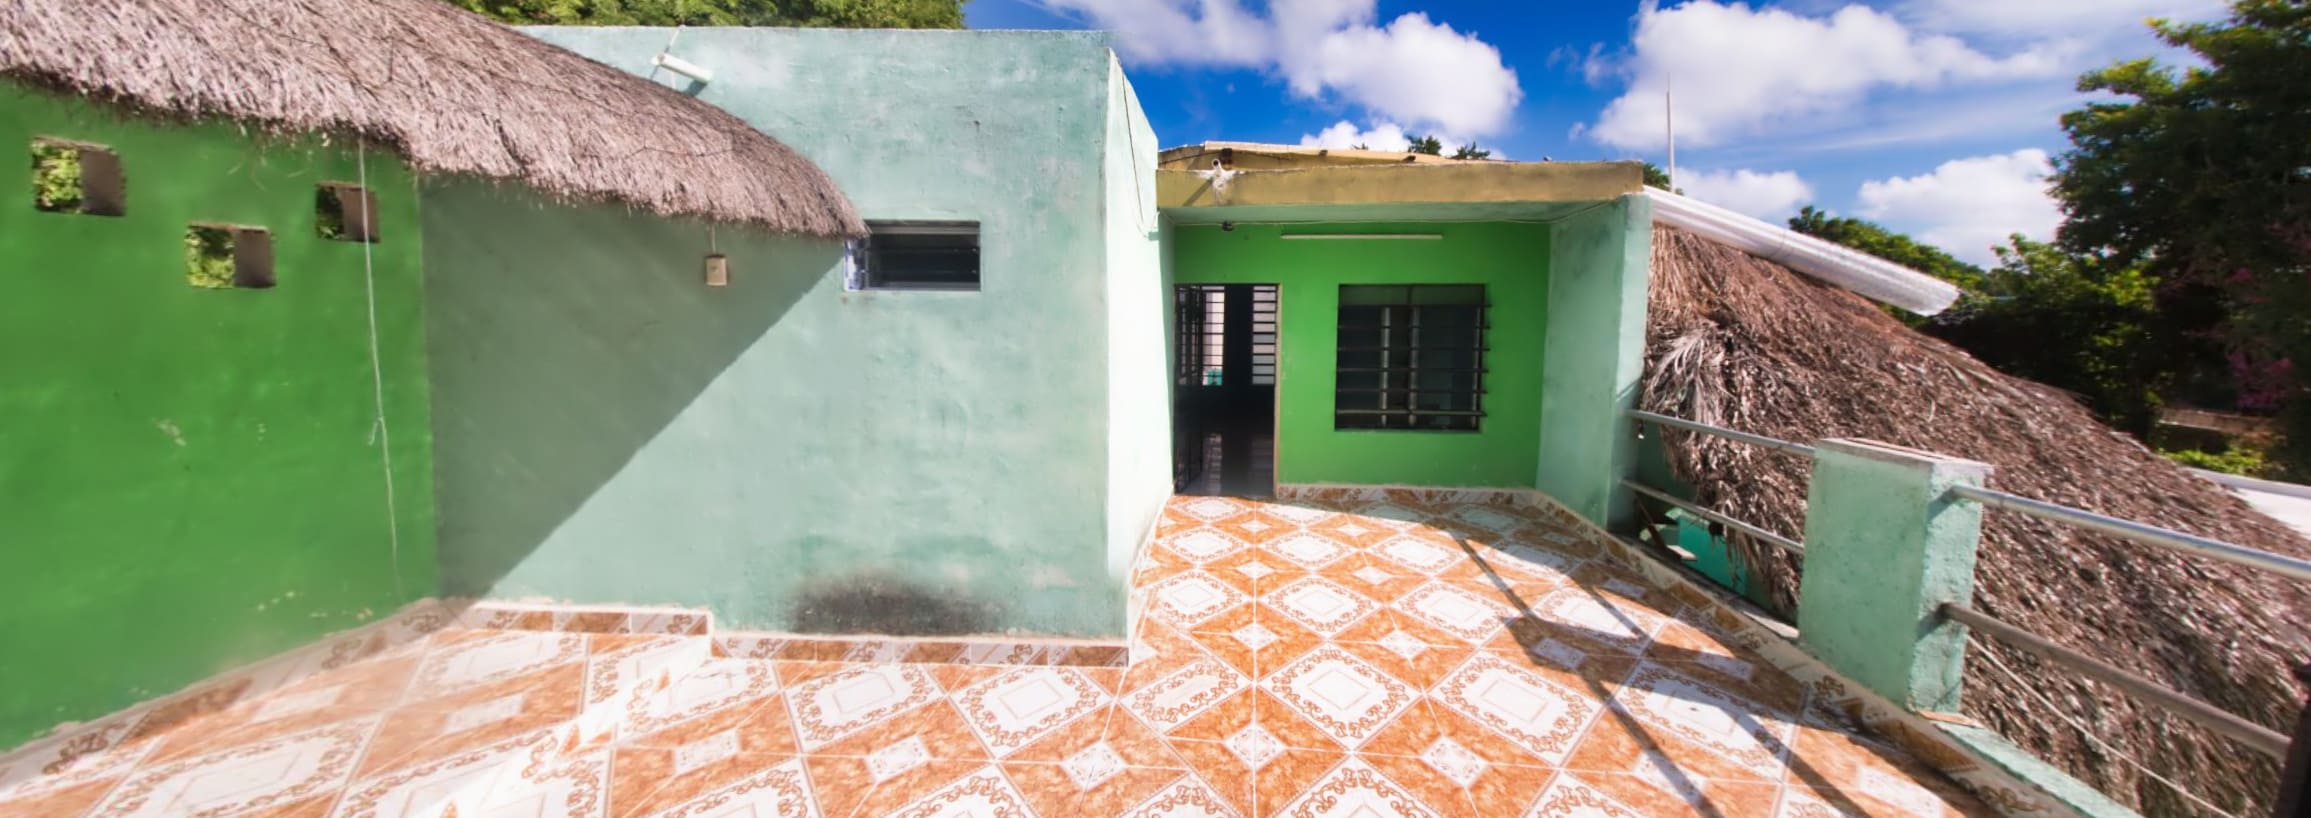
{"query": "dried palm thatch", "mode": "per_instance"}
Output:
(448, 90)
(1743, 343)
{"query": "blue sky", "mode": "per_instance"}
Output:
(1936, 117)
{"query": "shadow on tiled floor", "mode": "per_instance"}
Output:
(1457, 659)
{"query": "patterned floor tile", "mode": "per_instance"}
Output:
(830, 708)
(1426, 654)
(1345, 697)
(270, 773)
(1013, 710)
(1535, 712)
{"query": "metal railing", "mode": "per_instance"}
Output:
(1696, 510)
(2138, 532)
(2263, 739)
(1775, 444)
(2297, 780)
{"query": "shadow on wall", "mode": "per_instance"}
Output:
(564, 339)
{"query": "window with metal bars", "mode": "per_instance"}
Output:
(1411, 356)
(917, 256)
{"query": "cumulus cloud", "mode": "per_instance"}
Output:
(2061, 18)
(1770, 196)
(1412, 70)
(1382, 136)
(1968, 206)
(1739, 70)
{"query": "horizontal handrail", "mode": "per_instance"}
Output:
(1776, 540)
(1775, 444)
(2138, 532)
(2263, 739)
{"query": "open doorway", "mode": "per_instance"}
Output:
(1224, 390)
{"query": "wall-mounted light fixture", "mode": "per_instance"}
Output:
(1364, 236)
(686, 68)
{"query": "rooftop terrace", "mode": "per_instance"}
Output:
(1417, 655)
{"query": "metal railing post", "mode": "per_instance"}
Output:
(1886, 546)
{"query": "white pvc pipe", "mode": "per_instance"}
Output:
(1866, 275)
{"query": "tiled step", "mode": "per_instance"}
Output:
(621, 676)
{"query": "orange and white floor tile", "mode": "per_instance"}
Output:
(1289, 659)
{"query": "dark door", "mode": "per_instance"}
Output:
(1224, 401)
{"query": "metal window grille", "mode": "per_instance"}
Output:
(1411, 357)
(917, 256)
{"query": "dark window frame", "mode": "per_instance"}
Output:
(1411, 357)
(895, 262)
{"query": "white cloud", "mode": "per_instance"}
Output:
(1383, 136)
(1968, 206)
(1740, 71)
(2056, 18)
(1412, 70)
(1769, 196)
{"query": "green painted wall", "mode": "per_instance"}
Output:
(1139, 418)
(1596, 355)
(785, 452)
(1511, 259)
(191, 479)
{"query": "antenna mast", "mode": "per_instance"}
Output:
(1669, 102)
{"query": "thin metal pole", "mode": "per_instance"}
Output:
(2138, 532)
(2262, 739)
(1669, 105)
(1776, 540)
(1775, 444)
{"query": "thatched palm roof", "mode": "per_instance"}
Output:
(1739, 342)
(449, 90)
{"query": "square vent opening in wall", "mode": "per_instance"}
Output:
(77, 177)
(345, 212)
(228, 256)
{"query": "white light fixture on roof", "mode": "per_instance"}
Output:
(666, 60)
(686, 68)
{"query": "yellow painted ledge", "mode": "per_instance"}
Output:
(1420, 183)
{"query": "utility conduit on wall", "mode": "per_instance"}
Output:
(1867, 275)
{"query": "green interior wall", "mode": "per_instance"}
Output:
(1511, 259)
(789, 454)
(191, 479)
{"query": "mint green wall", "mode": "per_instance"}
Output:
(1511, 259)
(1596, 354)
(1139, 418)
(192, 479)
(1886, 545)
(613, 431)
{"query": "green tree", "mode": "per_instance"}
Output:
(1874, 239)
(1425, 144)
(1471, 151)
(2077, 322)
(815, 13)
(2202, 175)
(1655, 177)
